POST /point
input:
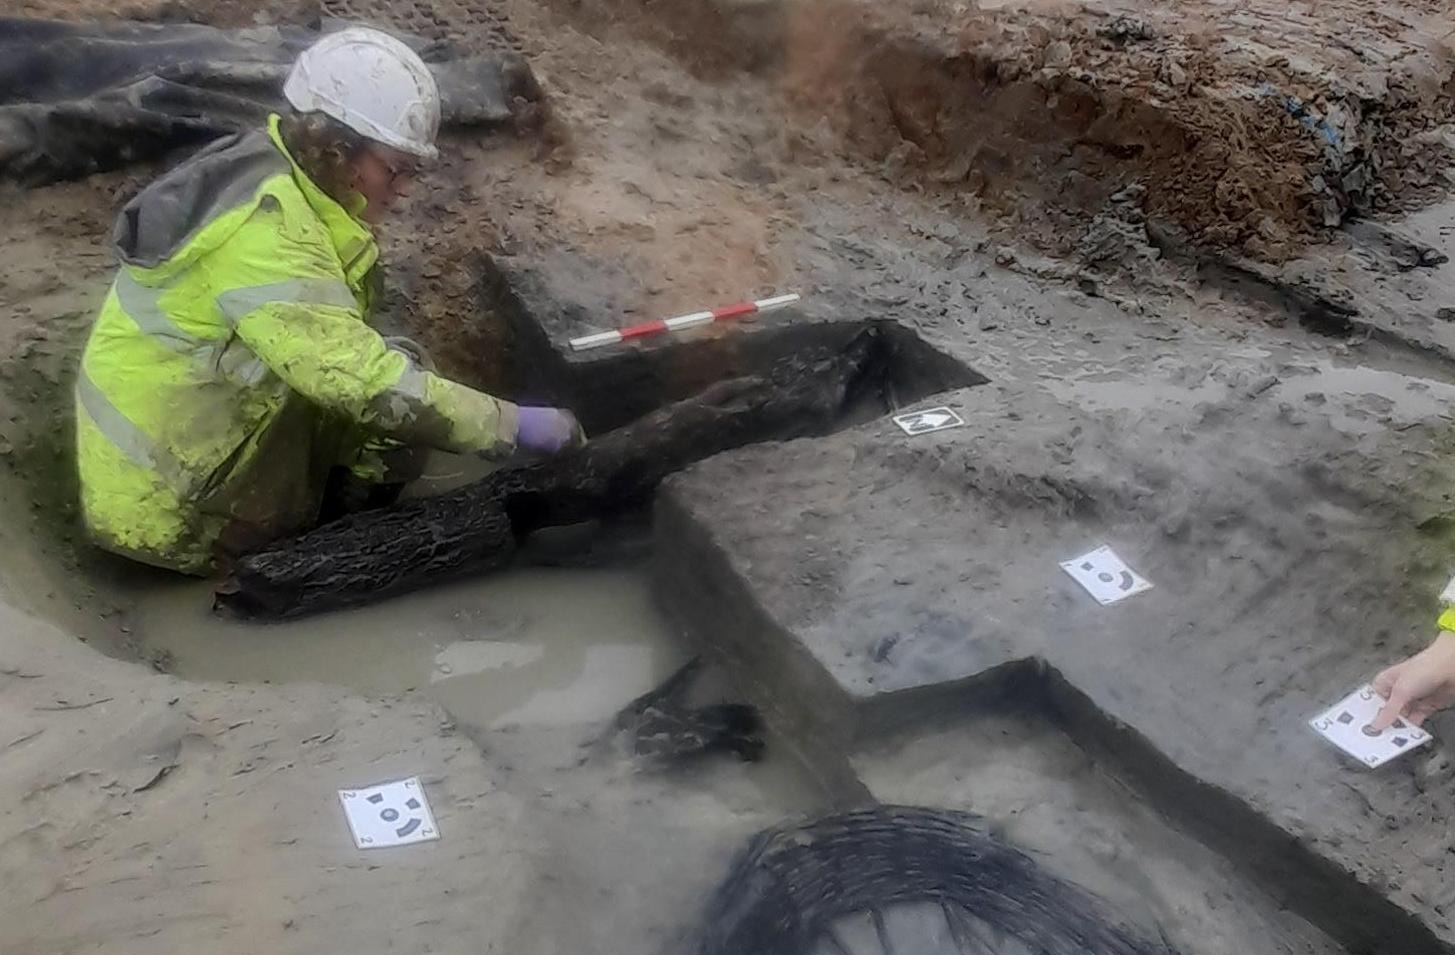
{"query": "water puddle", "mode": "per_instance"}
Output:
(529, 646)
(1361, 400)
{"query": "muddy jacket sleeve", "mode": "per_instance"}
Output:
(293, 308)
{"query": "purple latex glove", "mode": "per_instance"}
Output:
(548, 429)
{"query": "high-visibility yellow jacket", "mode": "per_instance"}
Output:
(230, 366)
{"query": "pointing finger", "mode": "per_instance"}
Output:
(1384, 683)
(1396, 705)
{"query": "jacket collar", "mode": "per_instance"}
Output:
(351, 238)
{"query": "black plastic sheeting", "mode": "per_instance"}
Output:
(76, 98)
(790, 885)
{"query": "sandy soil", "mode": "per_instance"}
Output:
(660, 182)
(152, 814)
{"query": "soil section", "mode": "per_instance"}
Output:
(1043, 793)
(1290, 524)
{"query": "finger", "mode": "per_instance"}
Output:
(1384, 683)
(1419, 713)
(1399, 700)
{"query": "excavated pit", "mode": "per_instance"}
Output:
(610, 387)
(840, 739)
(853, 749)
(518, 646)
(900, 604)
(783, 382)
(898, 746)
(828, 751)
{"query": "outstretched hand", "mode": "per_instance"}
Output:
(549, 430)
(1420, 686)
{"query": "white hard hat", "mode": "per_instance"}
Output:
(373, 84)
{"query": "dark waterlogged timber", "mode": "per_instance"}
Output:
(662, 724)
(376, 554)
(790, 890)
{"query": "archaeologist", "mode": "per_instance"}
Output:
(1422, 685)
(231, 368)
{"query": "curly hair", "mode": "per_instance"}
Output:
(324, 149)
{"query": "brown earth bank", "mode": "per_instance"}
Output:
(1253, 126)
(963, 173)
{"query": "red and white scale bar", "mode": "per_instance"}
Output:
(682, 321)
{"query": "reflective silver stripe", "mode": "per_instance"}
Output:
(142, 305)
(412, 384)
(238, 363)
(399, 405)
(239, 302)
(140, 449)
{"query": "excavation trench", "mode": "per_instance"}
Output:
(575, 626)
(570, 630)
(566, 630)
(819, 379)
(947, 738)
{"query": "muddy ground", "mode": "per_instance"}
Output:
(1110, 211)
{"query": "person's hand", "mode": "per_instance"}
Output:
(548, 429)
(1419, 686)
